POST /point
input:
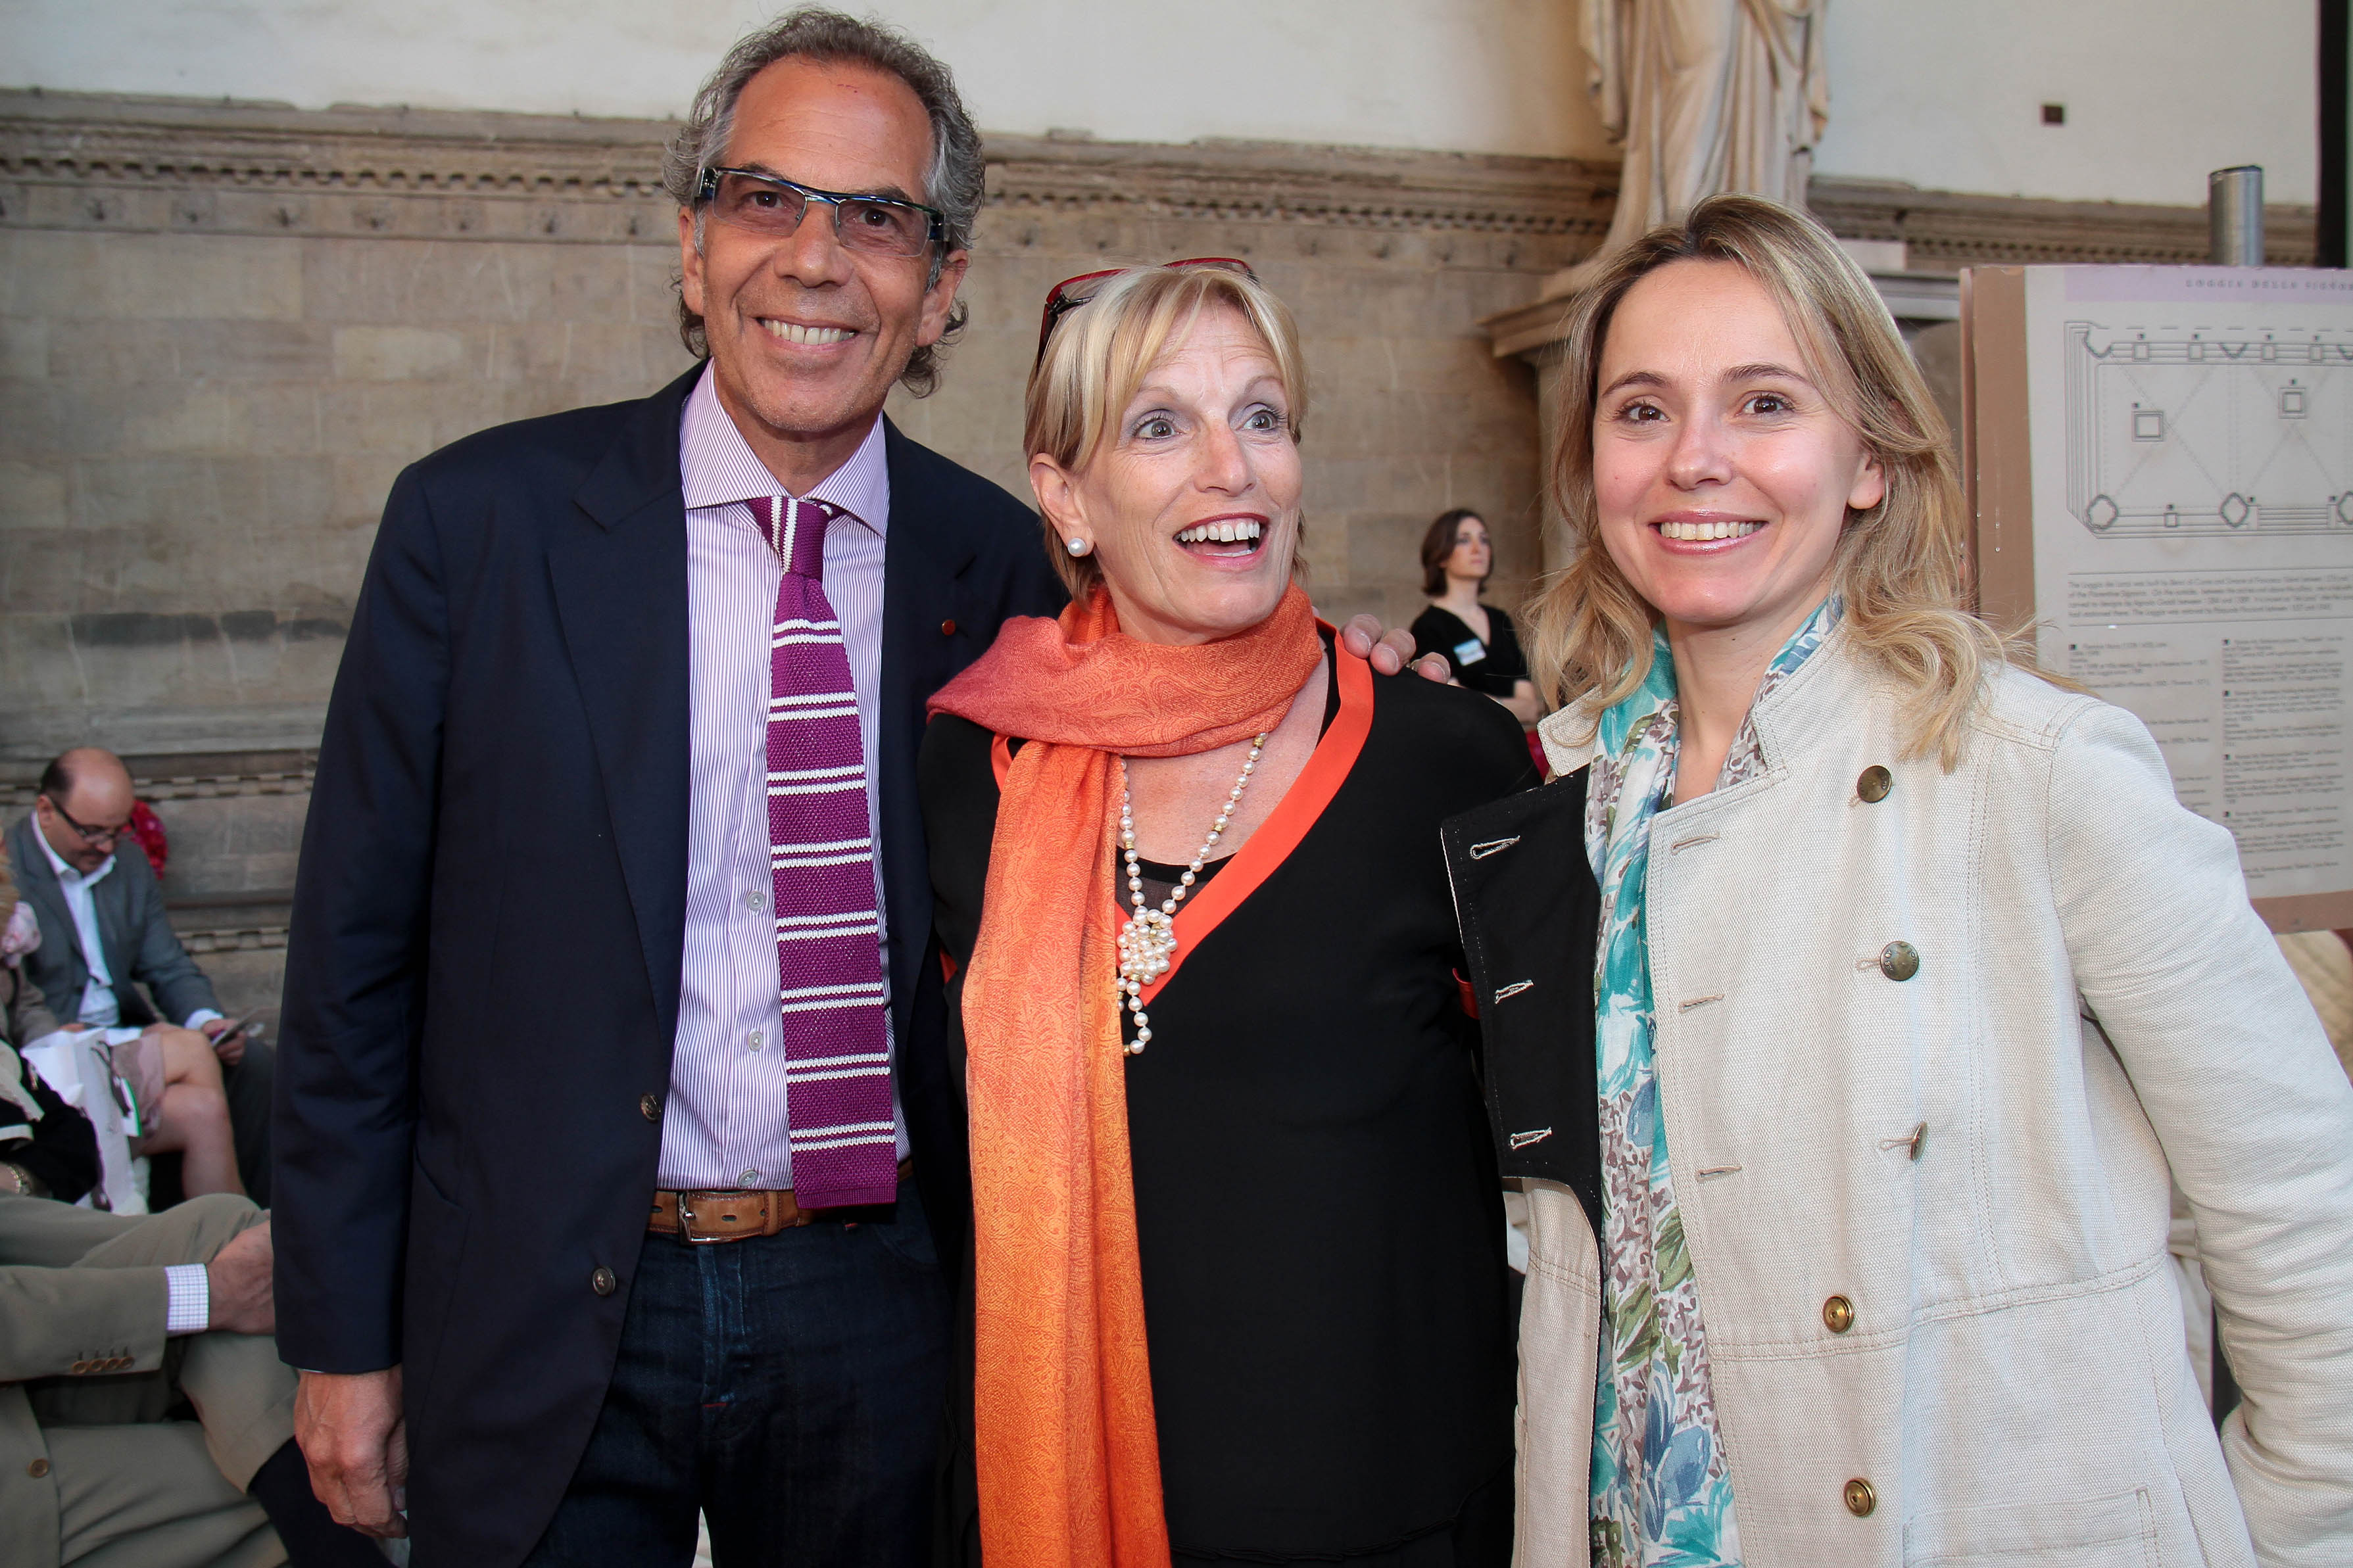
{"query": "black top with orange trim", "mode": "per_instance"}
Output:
(1317, 1195)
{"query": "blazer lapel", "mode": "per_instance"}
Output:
(925, 555)
(620, 576)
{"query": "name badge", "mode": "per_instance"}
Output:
(1470, 651)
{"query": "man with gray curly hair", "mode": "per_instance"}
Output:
(619, 1153)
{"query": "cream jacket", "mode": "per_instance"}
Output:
(1928, 1216)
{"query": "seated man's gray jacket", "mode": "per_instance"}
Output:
(140, 944)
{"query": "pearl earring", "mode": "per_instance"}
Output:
(1079, 546)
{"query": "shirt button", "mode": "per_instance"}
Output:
(603, 1282)
(38, 1469)
(1873, 783)
(1899, 960)
(755, 1041)
(947, 628)
(1860, 1498)
(1838, 1314)
(747, 1178)
(754, 901)
(650, 1106)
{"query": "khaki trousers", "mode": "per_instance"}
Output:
(136, 1491)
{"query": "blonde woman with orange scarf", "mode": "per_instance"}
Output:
(1239, 1283)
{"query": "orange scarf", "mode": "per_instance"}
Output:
(1069, 1458)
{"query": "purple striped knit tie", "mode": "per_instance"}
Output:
(821, 859)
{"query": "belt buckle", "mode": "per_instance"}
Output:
(686, 1225)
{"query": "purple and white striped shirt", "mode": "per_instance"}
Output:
(725, 1125)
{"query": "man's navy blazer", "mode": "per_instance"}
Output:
(482, 977)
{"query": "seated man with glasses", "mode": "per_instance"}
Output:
(199, 1090)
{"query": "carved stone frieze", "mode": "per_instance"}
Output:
(1944, 231)
(248, 940)
(191, 778)
(152, 165)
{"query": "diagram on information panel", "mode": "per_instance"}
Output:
(2174, 430)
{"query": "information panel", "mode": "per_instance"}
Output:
(2162, 470)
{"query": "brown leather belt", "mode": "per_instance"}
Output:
(735, 1215)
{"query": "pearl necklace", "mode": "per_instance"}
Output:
(1147, 943)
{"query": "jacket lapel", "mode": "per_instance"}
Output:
(926, 554)
(620, 576)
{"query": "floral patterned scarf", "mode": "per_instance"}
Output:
(1662, 1491)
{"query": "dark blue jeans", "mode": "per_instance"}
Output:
(790, 1387)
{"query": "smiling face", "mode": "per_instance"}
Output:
(1191, 503)
(1474, 553)
(1722, 477)
(806, 337)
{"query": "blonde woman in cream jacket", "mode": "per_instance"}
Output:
(1905, 985)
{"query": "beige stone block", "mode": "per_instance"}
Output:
(382, 416)
(189, 351)
(43, 571)
(232, 843)
(37, 649)
(189, 417)
(298, 495)
(28, 420)
(151, 277)
(361, 482)
(160, 495)
(24, 349)
(33, 495)
(248, 981)
(398, 354)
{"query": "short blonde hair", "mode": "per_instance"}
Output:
(1902, 565)
(1103, 351)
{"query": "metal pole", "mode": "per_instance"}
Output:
(2234, 215)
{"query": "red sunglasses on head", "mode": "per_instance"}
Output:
(1072, 292)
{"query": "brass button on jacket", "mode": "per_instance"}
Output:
(1838, 1314)
(38, 1469)
(1860, 1498)
(603, 1282)
(1873, 783)
(1899, 960)
(649, 1105)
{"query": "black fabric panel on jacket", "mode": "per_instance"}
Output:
(1530, 913)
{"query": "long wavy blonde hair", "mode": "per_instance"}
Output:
(1902, 565)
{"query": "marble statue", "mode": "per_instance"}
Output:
(1705, 96)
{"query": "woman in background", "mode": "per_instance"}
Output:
(1476, 640)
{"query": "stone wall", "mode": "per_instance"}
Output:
(225, 329)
